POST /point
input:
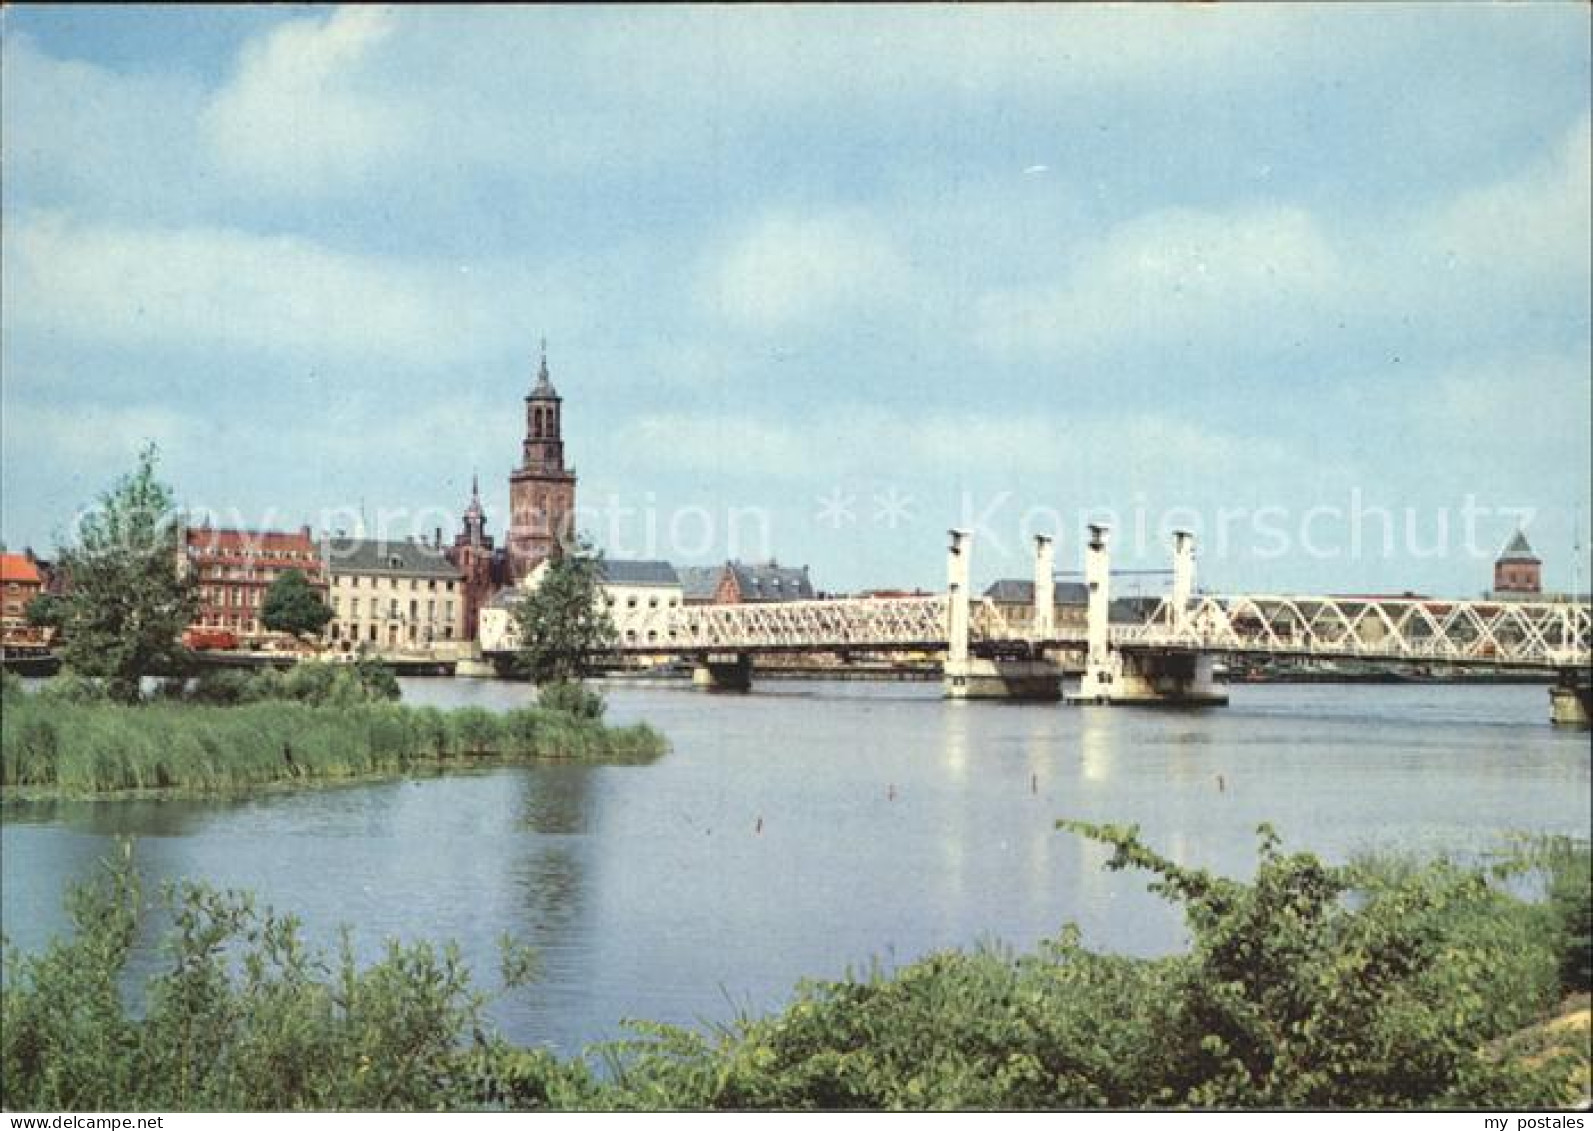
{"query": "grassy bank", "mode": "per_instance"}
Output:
(55, 748)
(1371, 987)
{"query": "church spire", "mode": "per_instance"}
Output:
(544, 386)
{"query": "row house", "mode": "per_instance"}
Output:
(393, 595)
(233, 570)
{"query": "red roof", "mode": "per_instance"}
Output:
(15, 567)
(266, 542)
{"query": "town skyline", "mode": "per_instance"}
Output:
(1064, 259)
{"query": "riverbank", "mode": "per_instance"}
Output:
(1474, 998)
(53, 749)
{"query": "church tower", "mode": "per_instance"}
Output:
(542, 489)
(473, 556)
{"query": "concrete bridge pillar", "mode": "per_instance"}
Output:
(1044, 588)
(1183, 577)
(1146, 676)
(966, 676)
(731, 671)
(1100, 663)
(1571, 698)
(958, 612)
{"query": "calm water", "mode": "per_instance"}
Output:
(810, 827)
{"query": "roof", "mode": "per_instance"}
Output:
(390, 556)
(1017, 591)
(771, 582)
(1518, 550)
(506, 598)
(216, 540)
(699, 582)
(638, 573)
(15, 567)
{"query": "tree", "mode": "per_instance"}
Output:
(563, 621)
(130, 599)
(292, 605)
(45, 611)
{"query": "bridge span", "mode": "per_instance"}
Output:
(992, 652)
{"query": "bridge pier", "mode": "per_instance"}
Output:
(723, 672)
(1029, 681)
(1174, 677)
(1571, 699)
(1016, 678)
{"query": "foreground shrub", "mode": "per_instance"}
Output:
(1309, 987)
(246, 1016)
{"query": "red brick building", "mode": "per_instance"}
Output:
(542, 489)
(233, 570)
(474, 556)
(20, 582)
(1518, 569)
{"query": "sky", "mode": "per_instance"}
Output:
(819, 283)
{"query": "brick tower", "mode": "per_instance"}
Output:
(542, 489)
(473, 555)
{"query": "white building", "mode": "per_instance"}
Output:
(392, 596)
(640, 598)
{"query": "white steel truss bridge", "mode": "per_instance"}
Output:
(1551, 635)
(1543, 635)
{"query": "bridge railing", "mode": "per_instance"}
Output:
(1534, 634)
(853, 623)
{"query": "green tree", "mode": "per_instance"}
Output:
(45, 611)
(563, 621)
(130, 598)
(292, 605)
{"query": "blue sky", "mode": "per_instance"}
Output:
(820, 282)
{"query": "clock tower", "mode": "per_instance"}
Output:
(542, 489)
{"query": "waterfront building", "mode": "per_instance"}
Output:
(743, 584)
(1518, 571)
(20, 582)
(699, 584)
(542, 489)
(640, 596)
(1014, 597)
(233, 569)
(393, 595)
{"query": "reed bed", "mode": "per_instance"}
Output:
(96, 749)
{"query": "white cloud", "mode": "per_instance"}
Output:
(1534, 225)
(205, 288)
(791, 271)
(1170, 277)
(296, 115)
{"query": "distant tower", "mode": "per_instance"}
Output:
(1518, 569)
(542, 490)
(472, 555)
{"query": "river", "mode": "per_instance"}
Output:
(808, 828)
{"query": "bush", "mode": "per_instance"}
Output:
(1363, 987)
(246, 1018)
(573, 699)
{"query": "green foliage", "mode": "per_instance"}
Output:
(563, 621)
(573, 699)
(333, 733)
(1379, 985)
(129, 601)
(292, 605)
(47, 610)
(245, 1016)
